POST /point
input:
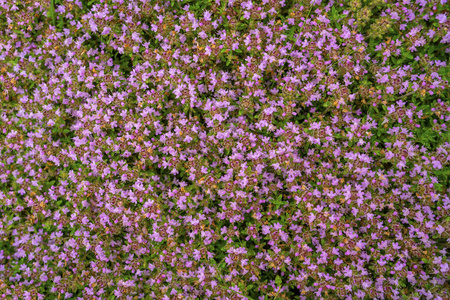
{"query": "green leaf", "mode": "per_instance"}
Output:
(442, 172)
(278, 280)
(52, 12)
(444, 70)
(431, 50)
(408, 55)
(278, 201)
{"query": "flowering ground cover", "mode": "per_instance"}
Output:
(224, 149)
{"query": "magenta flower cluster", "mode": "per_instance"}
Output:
(211, 149)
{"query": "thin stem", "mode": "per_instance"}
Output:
(53, 12)
(407, 94)
(276, 295)
(306, 17)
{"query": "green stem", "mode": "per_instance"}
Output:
(276, 295)
(53, 12)
(304, 22)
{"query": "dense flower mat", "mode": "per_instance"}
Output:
(224, 149)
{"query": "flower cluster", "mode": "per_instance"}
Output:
(236, 149)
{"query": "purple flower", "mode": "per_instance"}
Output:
(442, 18)
(437, 164)
(43, 277)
